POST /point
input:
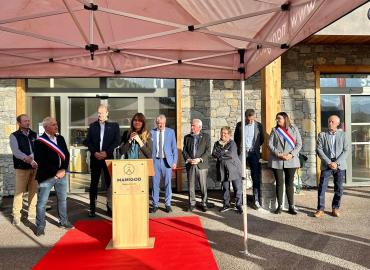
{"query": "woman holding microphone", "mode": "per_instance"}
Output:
(136, 142)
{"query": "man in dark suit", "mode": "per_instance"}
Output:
(102, 138)
(253, 140)
(195, 152)
(52, 156)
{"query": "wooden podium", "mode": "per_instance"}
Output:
(130, 203)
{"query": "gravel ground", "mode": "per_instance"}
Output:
(274, 241)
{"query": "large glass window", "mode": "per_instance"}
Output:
(121, 110)
(81, 98)
(360, 125)
(160, 105)
(42, 107)
(330, 105)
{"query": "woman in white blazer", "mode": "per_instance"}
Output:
(285, 142)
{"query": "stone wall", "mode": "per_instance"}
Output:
(7, 126)
(217, 104)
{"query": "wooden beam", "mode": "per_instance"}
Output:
(271, 99)
(20, 96)
(342, 68)
(179, 134)
(318, 121)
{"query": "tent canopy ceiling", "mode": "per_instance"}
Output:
(155, 38)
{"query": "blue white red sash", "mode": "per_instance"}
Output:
(53, 147)
(284, 133)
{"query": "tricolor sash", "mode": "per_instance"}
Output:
(284, 133)
(53, 147)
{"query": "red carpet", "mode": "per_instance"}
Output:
(180, 243)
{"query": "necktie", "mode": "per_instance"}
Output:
(195, 146)
(160, 154)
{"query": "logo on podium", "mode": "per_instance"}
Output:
(129, 169)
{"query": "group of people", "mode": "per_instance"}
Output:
(41, 162)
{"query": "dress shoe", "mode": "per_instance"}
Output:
(239, 209)
(225, 208)
(256, 206)
(67, 225)
(40, 231)
(92, 209)
(154, 209)
(278, 210)
(292, 210)
(109, 211)
(335, 213)
(319, 214)
(204, 208)
(16, 221)
(92, 213)
(168, 209)
(191, 208)
(210, 205)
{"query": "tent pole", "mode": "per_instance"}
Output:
(244, 180)
(243, 157)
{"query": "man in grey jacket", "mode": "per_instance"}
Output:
(332, 148)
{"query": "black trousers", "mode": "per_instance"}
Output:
(289, 179)
(255, 167)
(96, 167)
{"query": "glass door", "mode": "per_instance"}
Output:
(82, 113)
(41, 107)
(360, 133)
(333, 105)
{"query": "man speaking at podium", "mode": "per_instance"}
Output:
(102, 138)
(164, 156)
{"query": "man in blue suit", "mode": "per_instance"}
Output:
(164, 156)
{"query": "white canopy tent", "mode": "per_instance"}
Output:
(210, 39)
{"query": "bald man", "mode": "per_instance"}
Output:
(332, 148)
(103, 136)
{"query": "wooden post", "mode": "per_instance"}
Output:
(20, 96)
(270, 99)
(179, 134)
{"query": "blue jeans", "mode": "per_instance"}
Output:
(338, 188)
(255, 167)
(162, 170)
(60, 186)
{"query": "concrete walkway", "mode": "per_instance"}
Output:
(275, 241)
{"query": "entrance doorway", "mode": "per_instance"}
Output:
(348, 96)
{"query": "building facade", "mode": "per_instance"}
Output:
(328, 73)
